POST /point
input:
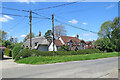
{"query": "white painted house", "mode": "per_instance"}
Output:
(73, 42)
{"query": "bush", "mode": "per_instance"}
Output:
(24, 53)
(8, 52)
(16, 50)
(88, 51)
(42, 53)
(64, 48)
(27, 52)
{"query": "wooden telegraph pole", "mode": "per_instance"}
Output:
(30, 29)
(53, 34)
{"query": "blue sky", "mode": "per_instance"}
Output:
(87, 15)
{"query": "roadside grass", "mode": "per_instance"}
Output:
(57, 59)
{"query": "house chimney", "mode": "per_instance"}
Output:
(77, 36)
(39, 33)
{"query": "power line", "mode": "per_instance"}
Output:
(41, 8)
(55, 6)
(18, 23)
(20, 15)
(41, 15)
(75, 26)
(68, 24)
(15, 9)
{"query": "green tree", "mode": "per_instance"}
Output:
(109, 36)
(64, 48)
(3, 35)
(106, 29)
(115, 35)
(28, 37)
(6, 43)
(11, 39)
(48, 35)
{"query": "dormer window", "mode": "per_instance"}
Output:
(36, 43)
(70, 43)
(90, 45)
(80, 43)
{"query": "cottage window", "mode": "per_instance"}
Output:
(70, 43)
(36, 43)
(90, 45)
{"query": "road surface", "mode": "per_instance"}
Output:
(76, 69)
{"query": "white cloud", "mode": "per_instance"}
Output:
(23, 35)
(64, 0)
(84, 23)
(8, 17)
(89, 34)
(5, 18)
(73, 35)
(27, 1)
(2, 19)
(73, 21)
(110, 6)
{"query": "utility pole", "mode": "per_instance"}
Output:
(53, 34)
(30, 29)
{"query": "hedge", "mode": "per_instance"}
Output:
(88, 51)
(8, 52)
(16, 50)
(27, 52)
(24, 53)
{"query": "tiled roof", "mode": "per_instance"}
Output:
(74, 47)
(88, 42)
(58, 42)
(67, 39)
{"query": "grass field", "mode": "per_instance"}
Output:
(57, 59)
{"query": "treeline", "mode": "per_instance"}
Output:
(109, 36)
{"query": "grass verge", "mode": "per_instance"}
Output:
(56, 59)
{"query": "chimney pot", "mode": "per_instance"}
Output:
(39, 33)
(77, 36)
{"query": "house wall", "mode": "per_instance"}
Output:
(43, 48)
(61, 40)
(89, 47)
(80, 47)
(51, 47)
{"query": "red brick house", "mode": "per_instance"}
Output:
(89, 44)
(73, 42)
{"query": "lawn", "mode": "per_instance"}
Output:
(57, 59)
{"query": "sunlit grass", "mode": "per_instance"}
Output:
(57, 59)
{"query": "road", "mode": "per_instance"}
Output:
(76, 69)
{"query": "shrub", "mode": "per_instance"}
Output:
(46, 53)
(27, 52)
(8, 52)
(24, 53)
(64, 48)
(61, 53)
(88, 51)
(16, 50)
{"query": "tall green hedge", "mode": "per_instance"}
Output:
(8, 52)
(16, 50)
(27, 52)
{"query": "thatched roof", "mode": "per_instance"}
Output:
(37, 40)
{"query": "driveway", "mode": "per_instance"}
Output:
(98, 68)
